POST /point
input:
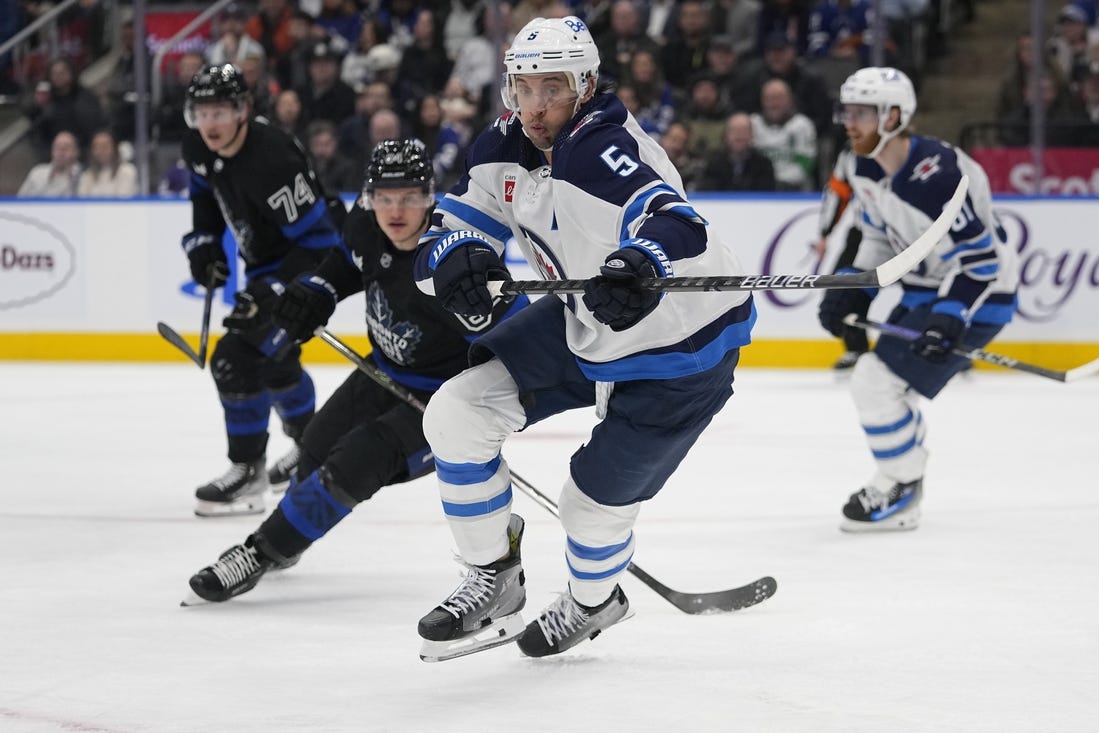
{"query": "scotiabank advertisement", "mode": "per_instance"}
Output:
(1065, 171)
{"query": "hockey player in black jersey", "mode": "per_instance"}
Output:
(364, 437)
(256, 181)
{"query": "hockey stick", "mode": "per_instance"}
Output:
(732, 599)
(908, 334)
(177, 341)
(884, 274)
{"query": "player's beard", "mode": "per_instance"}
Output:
(865, 144)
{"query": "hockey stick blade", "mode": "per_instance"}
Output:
(724, 600)
(177, 341)
(884, 274)
(732, 599)
(908, 334)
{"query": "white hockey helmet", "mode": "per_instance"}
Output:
(549, 45)
(884, 88)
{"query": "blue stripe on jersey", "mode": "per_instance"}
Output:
(198, 184)
(985, 271)
(647, 203)
(596, 554)
(476, 218)
(476, 508)
(407, 379)
(868, 222)
(885, 429)
(297, 228)
(466, 474)
(950, 308)
(731, 331)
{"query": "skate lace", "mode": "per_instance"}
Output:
(236, 473)
(476, 587)
(235, 566)
(561, 618)
(872, 499)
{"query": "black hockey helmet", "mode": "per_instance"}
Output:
(399, 164)
(215, 83)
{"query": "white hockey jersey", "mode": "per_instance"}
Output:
(609, 182)
(971, 274)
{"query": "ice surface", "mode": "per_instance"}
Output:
(984, 619)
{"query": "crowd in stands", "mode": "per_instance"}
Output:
(740, 92)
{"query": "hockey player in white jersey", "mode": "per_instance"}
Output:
(962, 293)
(586, 194)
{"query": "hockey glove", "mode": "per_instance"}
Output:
(940, 334)
(307, 304)
(840, 302)
(614, 297)
(209, 267)
(254, 303)
(465, 265)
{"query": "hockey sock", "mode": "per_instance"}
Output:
(311, 508)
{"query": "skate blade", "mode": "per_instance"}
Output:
(240, 507)
(903, 522)
(193, 599)
(502, 631)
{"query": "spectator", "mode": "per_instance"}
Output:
(677, 143)
(424, 67)
(727, 73)
(63, 104)
(121, 97)
(287, 115)
(292, 66)
(706, 113)
(1013, 88)
(398, 17)
(739, 21)
(427, 123)
(780, 61)
(838, 29)
(661, 22)
(354, 132)
(685, 55)
(233, 45)
(741, 167)
(477, 67)
(788, 18)
(455, 134)
(263, 86)
(524, 11)
(382, 64)
(57, 178)
(656, 100)
(270, 26)
(169, 113)
(786, 137)
(107, 175)
(335, 172)
(340, 18)
(1069, 44)
(625, 37)
(356, 68)
(327, 97)
(1064, 122)
(460, 25)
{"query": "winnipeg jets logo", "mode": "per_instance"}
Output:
(925, 168)
(590, 117)
(397, 340)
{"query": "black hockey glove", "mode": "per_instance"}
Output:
(614, 296)
(308, 303)
(941, 333)
(461, 275)
(254, 303)
(209, 267)
(839, 303)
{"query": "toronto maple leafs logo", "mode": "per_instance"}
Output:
(397, 340)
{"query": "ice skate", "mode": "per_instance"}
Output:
(237, 571)
(282, 470)
(239, 491)
(565, 623)
(483, 611)
(846, 362)
(871, 510)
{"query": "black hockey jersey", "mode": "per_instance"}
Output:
(268, 195)
(415, 340)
